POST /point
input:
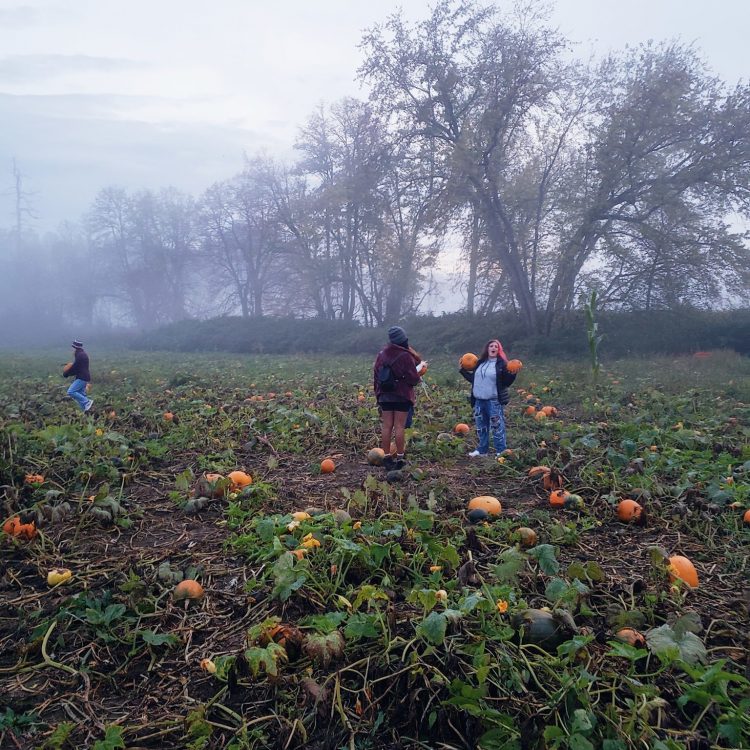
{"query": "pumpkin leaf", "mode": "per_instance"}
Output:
(669, 646)
(433, 628)
(158, 639)
(266, 658)
(544, 554)
(361, 625)
(326, 623)
(512, 561)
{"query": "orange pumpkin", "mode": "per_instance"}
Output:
(746, 517)
(327, 466)
(550, 411)
(631, 637)
(14, 527)
(557, 498)
(239, 479)
(66, 368)
(188, 589)
(514, 366)
(33, 479)
(375, 457)
(537, 471)
(680, 567)
(461, 429)
(629, 510)
(487, 503)
(540, 416)
(168, 416)
(529, 411)
(469, 361)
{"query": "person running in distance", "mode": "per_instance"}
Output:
(79, 369)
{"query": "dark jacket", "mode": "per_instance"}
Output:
(404, 370)
(504, 379)
(80, 368)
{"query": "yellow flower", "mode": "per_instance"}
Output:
(435, 568)
(502, 606)
(99, 431)
(310, 541)
(357, 525)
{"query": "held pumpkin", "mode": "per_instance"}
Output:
(469, 361)
(514, 366)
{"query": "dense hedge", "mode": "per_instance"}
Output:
(625, 334)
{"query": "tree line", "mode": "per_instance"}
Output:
(555, 176)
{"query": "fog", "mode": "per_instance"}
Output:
(250, 163)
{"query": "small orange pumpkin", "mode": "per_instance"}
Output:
(629, 510)
(33, 479)
(188, 589)
(239, 479)
(557, 498)
(461, 429)
(550, 411)
(746, 517)
(631, 637)
(537, 471)
(529, 411)
(682, 568)
(514, 366)
(168, 416)
(14, 527)
(375, 457)
(469, 361)
(327, 466)
(487, 503)
(540, 416)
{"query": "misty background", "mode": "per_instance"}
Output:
(178, 160)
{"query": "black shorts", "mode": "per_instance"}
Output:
(395, 405)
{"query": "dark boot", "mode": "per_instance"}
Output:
(389, 463)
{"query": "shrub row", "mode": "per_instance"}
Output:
(625, 334)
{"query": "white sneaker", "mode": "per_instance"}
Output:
(89, 404)
(474, 454)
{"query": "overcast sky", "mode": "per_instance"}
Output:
(151, 93)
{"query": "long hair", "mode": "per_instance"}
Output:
(486, 355)
(414, 353)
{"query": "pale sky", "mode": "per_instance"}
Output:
(153, 93)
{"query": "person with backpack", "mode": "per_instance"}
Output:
(489, 394)
(79, 369)
(394, 376)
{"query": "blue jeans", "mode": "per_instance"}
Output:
(77, 391)
(489, 416)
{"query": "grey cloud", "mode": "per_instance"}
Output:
(20, 15)
(68, 149)
(35, 68)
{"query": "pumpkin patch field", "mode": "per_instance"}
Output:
(215, 557)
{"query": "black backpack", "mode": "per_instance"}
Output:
(386, 379)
